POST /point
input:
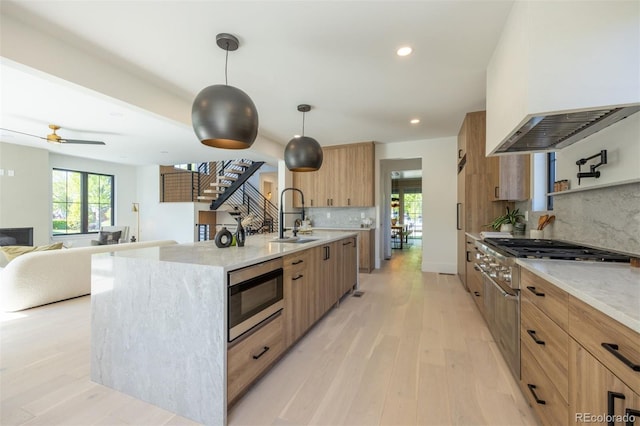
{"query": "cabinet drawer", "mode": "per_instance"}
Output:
(296, 261)
(591, 328)
(540, 393)
(548, 344)
(547, 297)
(250, 357)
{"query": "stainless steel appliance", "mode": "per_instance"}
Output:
(496, 259)
(254, 294)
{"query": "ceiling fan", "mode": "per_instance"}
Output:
(55, 138)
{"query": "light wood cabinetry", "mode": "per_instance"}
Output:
(348, 258)
(327, 259)
(551, 300)
(475, 190)
(547, 342)
(540, 392)
(344, 180)
(367, 250)
(299, 294)
(313, 281)
(510, 177)
(249, 358)
(474, 276)
(544, 347)
(593, 329)
(578, 364)
(598, 392)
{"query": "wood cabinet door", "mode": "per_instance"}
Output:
(595, 392)
(356, 164)
(510, 181)
(327, 265)
(348, 265)
(307, 183)
(366, 248)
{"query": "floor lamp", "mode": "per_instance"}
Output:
(135, 207)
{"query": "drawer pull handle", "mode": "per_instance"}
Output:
(532, 333)
(532, 389)
(611, 404)
(534, 291)
(264, 351)
(297, 278)
(613, 348)
(631, 415)
(297, 262)
(476, 293)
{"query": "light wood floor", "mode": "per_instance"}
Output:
(413, 350)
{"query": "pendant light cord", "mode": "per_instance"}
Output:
(226, 61)
(303, 123)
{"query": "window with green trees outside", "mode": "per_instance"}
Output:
(82, 202)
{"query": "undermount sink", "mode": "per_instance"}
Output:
(294, 240)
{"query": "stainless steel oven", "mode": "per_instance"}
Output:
(255, 294)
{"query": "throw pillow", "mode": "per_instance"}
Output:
(11, 252)
(105, 237)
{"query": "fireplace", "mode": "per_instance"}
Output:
(16, 236)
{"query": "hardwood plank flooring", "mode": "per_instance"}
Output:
(413, 350)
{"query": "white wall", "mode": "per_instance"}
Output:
(622, 142)
(439, 196)
(25, 197)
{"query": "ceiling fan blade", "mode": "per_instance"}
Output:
(82, 142)
(23, 133)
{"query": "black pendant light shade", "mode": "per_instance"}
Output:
(303, 154)
(224, 116)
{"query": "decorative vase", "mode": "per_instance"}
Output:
(223, 238)
(240, 235)
(506, 227)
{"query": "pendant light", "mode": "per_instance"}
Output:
(303, 154)
(224, 116)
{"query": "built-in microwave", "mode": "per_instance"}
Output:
(254, 294)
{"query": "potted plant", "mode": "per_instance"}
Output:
(506, 222)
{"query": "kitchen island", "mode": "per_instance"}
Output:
(159, 320)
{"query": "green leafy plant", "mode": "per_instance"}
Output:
(511, 217)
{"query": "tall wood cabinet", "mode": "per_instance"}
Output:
(344, 180)
(475, 207)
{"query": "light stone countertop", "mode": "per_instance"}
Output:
(258, 248)
(342, 228)
(612, 288)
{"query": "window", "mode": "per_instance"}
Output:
(82, 202)
(551, 177)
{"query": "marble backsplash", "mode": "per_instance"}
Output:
(341, 217)
(607, 217)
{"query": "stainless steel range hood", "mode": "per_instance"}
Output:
(553, 132)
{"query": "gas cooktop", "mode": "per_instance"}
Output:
(553, 249)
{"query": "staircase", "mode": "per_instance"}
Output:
(223, 183)
(228, 186)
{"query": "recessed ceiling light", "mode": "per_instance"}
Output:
(415, 121)
(404, 51)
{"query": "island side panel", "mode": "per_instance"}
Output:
(159, 334)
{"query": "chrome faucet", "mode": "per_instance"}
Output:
(282, 212)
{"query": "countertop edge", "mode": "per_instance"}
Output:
(610, 311)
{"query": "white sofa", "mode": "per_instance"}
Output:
(42, 277)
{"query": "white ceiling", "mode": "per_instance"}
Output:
(338, 56)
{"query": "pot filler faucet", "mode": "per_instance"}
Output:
(282, 212)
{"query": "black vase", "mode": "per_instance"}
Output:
(240, 235)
